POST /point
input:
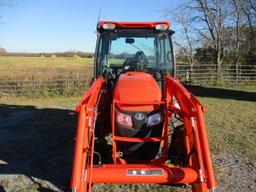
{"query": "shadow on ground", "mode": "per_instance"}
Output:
(2, 189)
(222, 93)
(38, 145)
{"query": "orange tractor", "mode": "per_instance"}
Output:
(137, 123)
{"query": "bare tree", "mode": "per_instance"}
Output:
(237, 6)
(212, 14)
(252, 4)
(186, 41)
(250, 13)
(226, 32)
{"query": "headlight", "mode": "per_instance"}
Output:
(109, 26)
(123, 119)
(154, 119)
(161, 27)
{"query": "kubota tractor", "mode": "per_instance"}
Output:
(155, 127)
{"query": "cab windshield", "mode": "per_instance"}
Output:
(119, 49)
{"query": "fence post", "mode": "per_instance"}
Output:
(198, 72)
(67, 83)
(237, 72)
(77, 80)
(240, 74)
(34, 83)
(187, 77)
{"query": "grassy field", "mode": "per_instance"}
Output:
(35, 63)
(36, 138)
(232, 122)
(44, 76)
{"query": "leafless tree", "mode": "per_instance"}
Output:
(213, 14)
(186, 41)
(226, 32)
(237, 16)
(252, 4)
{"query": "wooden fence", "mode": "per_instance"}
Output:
(49, 82)
(207, 74)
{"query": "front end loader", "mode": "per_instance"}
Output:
(137, 123)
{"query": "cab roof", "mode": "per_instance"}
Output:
(134, 25)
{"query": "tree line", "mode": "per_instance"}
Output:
(222, 32)
(3, 52)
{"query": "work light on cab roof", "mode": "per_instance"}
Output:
(109, 25)
(156, 127)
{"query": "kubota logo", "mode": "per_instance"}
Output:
(139, 116)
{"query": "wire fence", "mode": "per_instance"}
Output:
(75, 82)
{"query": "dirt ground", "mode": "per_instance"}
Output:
(36, 148)
(37, 140)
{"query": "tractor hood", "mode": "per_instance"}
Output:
(137, 87)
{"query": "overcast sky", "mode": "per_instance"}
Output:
(62, 25)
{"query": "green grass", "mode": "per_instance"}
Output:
(231, 126)
(230, 121)
(230, 118)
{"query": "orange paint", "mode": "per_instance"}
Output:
(138, 91)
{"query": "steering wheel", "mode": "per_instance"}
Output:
(141, 57)
(136, 63)
(133, 65)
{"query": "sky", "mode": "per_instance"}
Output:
(65, 25)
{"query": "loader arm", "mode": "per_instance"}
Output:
(84, 148)
(199, 171)
(191, 111)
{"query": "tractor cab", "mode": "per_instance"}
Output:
(123, 47)
(134, 58)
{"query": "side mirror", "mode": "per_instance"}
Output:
(129, 40)
(169, 56)
(171, 32)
